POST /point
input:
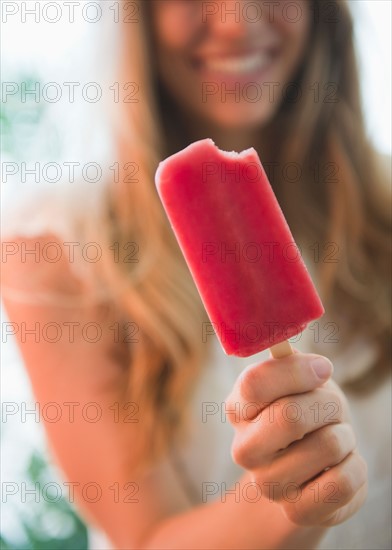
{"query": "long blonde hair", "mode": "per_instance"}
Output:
(349, 209)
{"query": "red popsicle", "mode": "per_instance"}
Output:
(246, 266)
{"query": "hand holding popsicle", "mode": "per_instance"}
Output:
(293, 435)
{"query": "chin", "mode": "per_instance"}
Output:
(233, 118)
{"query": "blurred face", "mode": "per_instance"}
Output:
(229, 63)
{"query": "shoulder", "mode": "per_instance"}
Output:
(50, 238)
(34, 264)
(42, 291)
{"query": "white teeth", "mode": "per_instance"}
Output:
(235, 65)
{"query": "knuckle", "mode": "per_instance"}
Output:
(350, 437)
(332, 410)
(333, 445)
(247, 381)
(330, 444)
(230, 408)
(339, 405)
(346, 486)
(290, 419)
(241, 455)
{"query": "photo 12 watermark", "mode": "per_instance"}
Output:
(69, 172)
(69, 11)
(254, 492)
(271, 11)
(288, 411)
(73, 491)
(270, 332)
(71, 412)
(267, 92)
(52, 252)
(252, 172)
(69, 92)
(70, 332)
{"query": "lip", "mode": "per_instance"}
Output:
(239, 52)
(233, 67)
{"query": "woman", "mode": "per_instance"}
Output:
(159, 455)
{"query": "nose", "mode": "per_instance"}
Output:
(232, 19)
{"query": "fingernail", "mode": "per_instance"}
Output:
(322, 367)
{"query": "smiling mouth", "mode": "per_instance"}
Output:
(237, 64)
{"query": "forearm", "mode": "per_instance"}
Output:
(151, 513)
(235, 523)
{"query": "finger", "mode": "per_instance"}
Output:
(291, 418)
(319, 500)
(261, 384)
(262, 440)
(317, 451)
(349, 509)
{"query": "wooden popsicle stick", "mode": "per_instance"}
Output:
(281, 350)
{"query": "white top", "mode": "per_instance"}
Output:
(207, 455)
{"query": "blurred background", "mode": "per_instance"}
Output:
(37, 50)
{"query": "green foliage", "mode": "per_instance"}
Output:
(47, 525)
(22, 117)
